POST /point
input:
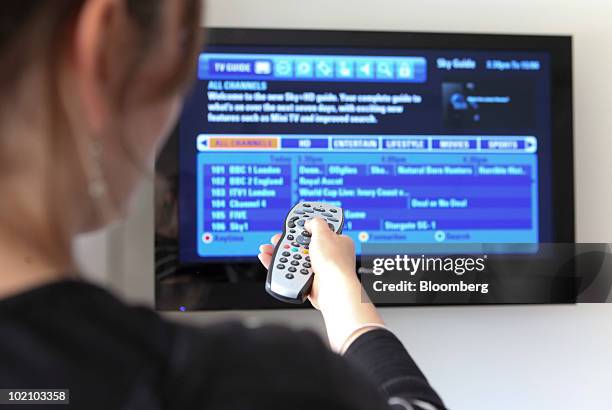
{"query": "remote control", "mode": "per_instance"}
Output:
(290, 273)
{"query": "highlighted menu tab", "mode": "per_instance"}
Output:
(242, 143)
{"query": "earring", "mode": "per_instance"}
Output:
(97, 184)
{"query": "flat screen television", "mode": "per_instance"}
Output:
(420, 137)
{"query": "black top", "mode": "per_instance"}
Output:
(111, 356)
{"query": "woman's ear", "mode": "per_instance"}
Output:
(100, 34)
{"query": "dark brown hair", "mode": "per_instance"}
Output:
(36, 30)
(31, 28)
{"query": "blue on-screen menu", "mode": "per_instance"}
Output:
(420, 146)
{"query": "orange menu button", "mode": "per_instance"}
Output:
(243, 143)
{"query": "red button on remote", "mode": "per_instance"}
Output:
(286, 246)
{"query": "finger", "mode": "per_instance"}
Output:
(265, 259)
(317, 226)
(313, 302)
(275, 239)
(269, 249)
(347, 239)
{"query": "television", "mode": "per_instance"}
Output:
(419, 137)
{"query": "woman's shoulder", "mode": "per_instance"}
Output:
(78, 336)
(84, 338)
(79, 324)
(83, 310)
(268, 367)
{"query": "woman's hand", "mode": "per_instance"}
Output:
(336, 290)
(333, 262)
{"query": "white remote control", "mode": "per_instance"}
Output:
(290, 273)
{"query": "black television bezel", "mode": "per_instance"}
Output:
(251, 295)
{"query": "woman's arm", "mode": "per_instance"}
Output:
(354, 327)
(381, 356)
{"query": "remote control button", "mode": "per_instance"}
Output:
(306, 205)
(296, 256)
(308, 259)
(320, 209)
(295, 244)
(307, 265)
(301, 222)
(304, 272)
(286, 246)
(305, 251)
(306, 247)
(289, 276)
(327, 214)
(291, 225)
(283, 260)
(292, 231)
(294, 249)
(333, 219)
(333, 211)
(286, 253)
(306, 234)
(292, 269)
(308, 210)
(295, 263)
(303, 241)
(299, 212)
(280, 266)
(294, 218)
(290, 237)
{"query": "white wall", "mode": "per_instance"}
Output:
(529, 357)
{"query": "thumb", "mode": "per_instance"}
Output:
(317, 227)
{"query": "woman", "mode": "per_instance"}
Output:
(90, 88)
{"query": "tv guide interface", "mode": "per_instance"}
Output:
(420, 146)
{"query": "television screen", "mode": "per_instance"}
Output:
(445, 139)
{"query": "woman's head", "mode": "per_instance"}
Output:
(90, 90)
